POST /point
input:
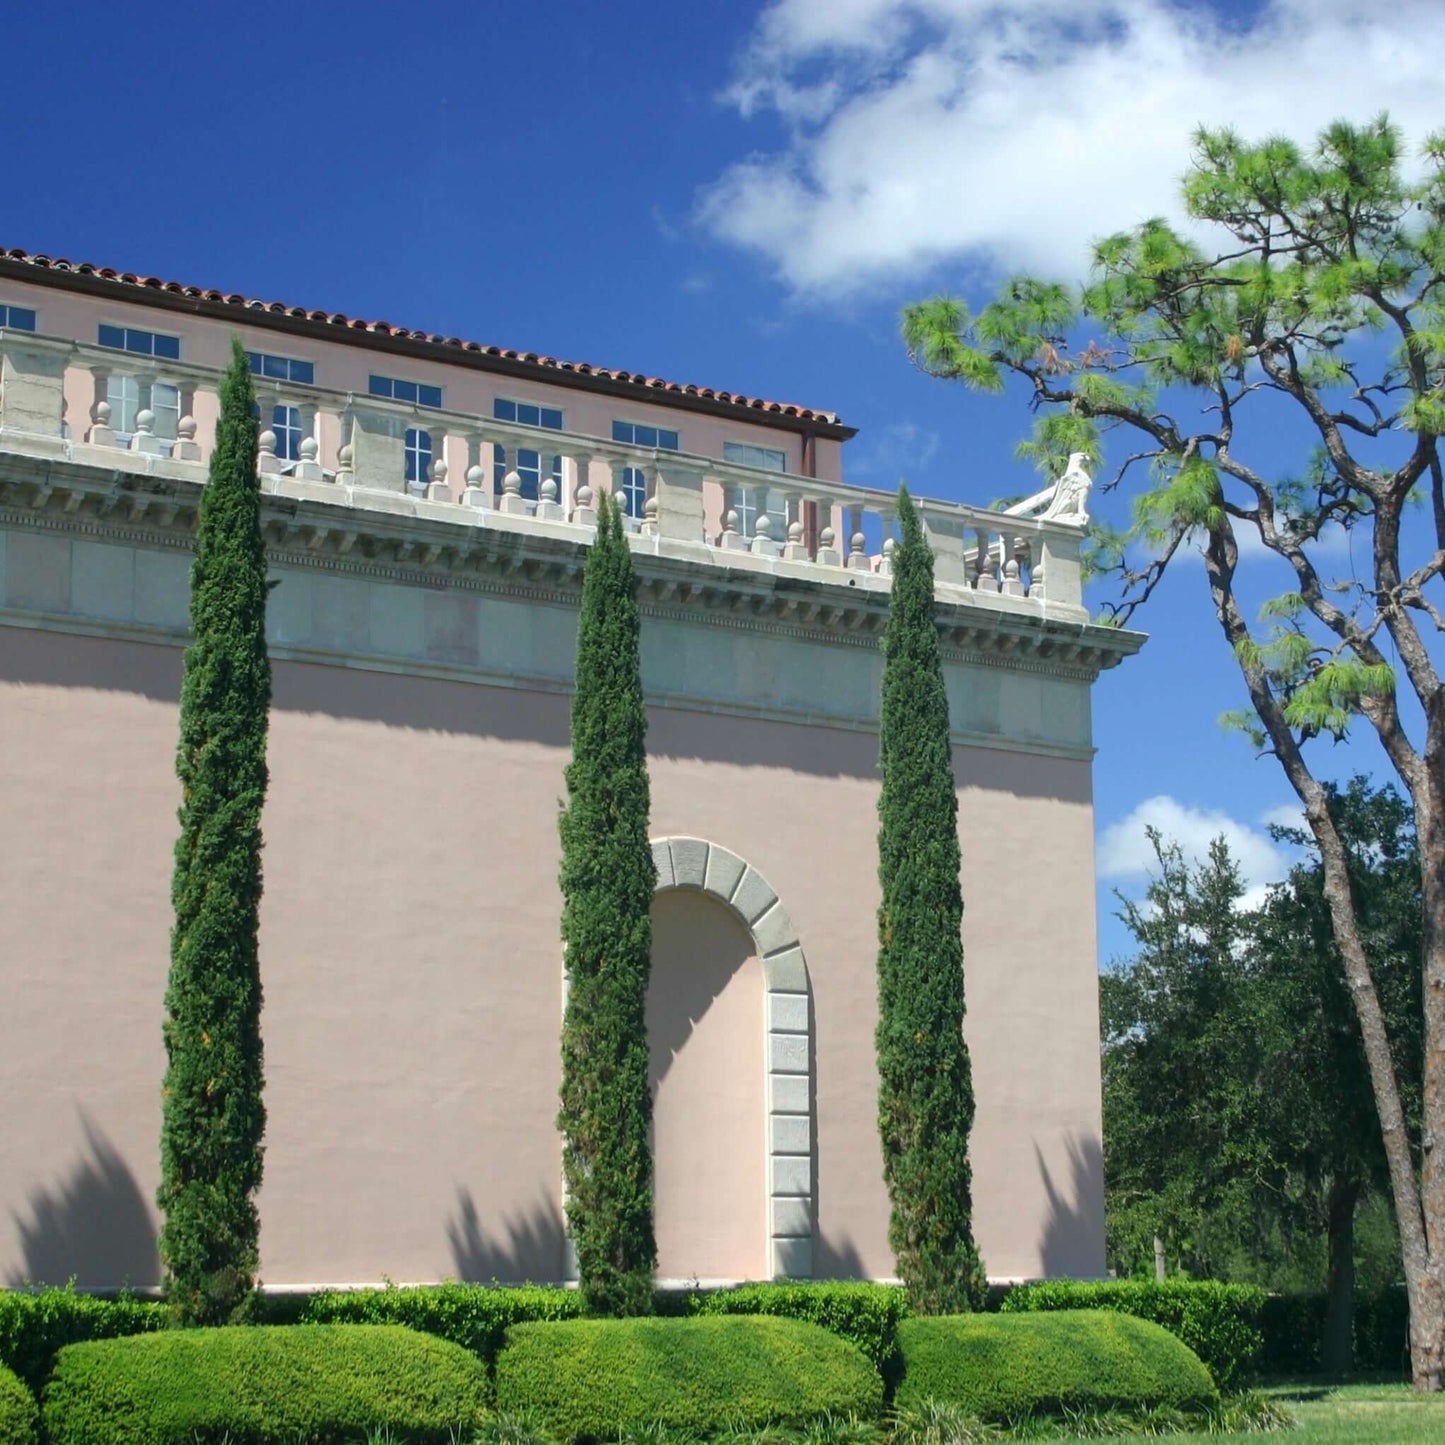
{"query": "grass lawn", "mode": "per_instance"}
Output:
(1361, 1415)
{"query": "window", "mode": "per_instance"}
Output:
(418, 456)
(128, 397)
(413, 391)
(283, 368)
(746, 455)
(645, 436)
(142, 343)
(634, 492)
(527, 414)
(17, 318)
(529, 461)
(286, 424)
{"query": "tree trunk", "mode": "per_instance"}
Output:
(1337, 1354)
(1159, 1270)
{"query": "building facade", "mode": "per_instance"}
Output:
(428, 504)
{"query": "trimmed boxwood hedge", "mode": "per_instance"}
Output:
(1220, 1322)
(1002, 1366)
(254, 1384)
(474, 1316)
(35, 1324)
(18, 1416)
(593, 1379)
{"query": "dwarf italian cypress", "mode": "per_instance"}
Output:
(212, 1114)
(925, 1094)
(607, 881)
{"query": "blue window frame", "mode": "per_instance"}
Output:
(282, 368)
(286, 424)
(527, 414)
(17, 318)
(747, 455)
(399, 390)
(142, 343)
(644, 436)
(418, 456)
(633, 494)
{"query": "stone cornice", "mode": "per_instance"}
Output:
(79, 489)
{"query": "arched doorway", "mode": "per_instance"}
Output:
(730, 1020)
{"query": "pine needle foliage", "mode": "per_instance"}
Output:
(925, 1095)
(608, 878)
(213, 1117)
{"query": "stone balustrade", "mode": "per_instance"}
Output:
(61, 397)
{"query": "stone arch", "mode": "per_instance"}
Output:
(788, 1053)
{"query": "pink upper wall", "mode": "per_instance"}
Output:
(339, 367)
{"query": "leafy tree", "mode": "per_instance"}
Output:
(608, 878)
(213, 1117)
(925, 1093)
(1323, 306)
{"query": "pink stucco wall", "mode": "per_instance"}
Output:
(412, 976)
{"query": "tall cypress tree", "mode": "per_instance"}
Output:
(608, 879)
(212, 1114)
(925, 1095)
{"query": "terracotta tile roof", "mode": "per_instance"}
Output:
(386, 329)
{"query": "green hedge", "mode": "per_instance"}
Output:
(473, 1316)
(18, 1416)
(1294, 1327)
(1219, 1322)
(1010, 1365)
(254, 1384)
(593, 1379)
(866, 1315)
(33, 1327)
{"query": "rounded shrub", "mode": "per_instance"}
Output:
(251, 1385)
(593, 1379)
(18, 1415)
(1002, 1365)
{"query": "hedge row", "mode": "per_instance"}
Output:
(594, 1379)
(1294, 1326)
(1221, 1323)
(255, 1384)
(17, 1411)
(33, 1327)
(1007, 1365)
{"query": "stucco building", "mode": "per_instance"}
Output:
(427, 510)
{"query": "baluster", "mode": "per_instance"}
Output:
(101, 433)
(649, 517)
(584, 514)
(581, 464)
(308, 468)
(146, 441)
(885, 560)
(439, 490)
(1012, 584)
(730, 539)
(345, 476)
(828, 555)
(512, 499)
(763, 544)
(795, 549)
(549, 509)
(985, 580)
(858, 558)
(185, 448)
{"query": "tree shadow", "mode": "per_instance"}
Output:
(1073, 1241)
(94, 1226)
(836, 1258)
(527, 1247)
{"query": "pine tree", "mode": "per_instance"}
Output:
(608, 879)
(925, 1095)
(212, 1113)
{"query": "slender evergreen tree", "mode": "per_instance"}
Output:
(925, 1093)
(212, 1113)
(608, 879)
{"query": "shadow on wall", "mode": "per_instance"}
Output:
(94, 1226)
(1073, 1240)
(837, 1259)
(528, 1246)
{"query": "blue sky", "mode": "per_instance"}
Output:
(738, 195)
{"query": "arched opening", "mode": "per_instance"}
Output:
(704, 1013)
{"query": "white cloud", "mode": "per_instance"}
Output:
(899, 450)
(1124, 851)
(1014, 135)
(1287, 815)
